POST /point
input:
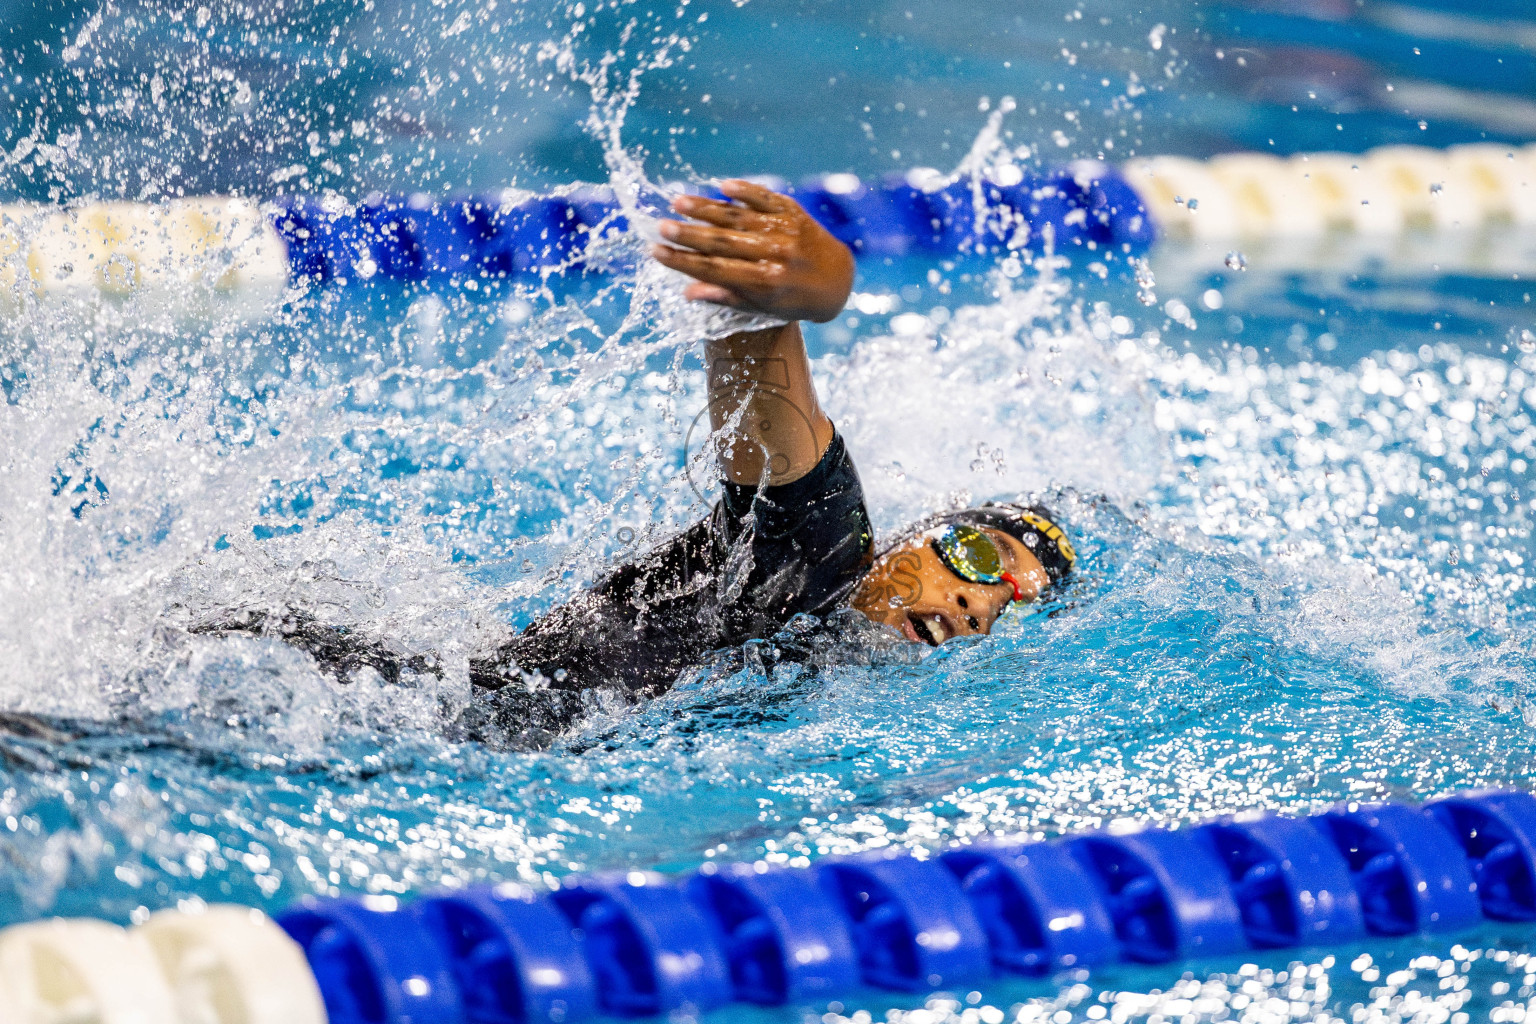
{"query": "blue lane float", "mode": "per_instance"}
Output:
(912, 925)
(651, 948)
(374, 962)
(1410, 873)
(1498, 833)
(1039, 907)
(1291, 884)
(784, 936)
(1166, 893)
(514, 955)
(643, 944)
(417, 238)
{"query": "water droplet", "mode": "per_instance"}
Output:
(1435, 187)
(1236, 261)
(1145, 283)
(1193, 204)
(1423, 126)
(1524, 338)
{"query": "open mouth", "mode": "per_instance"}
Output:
(930, 630)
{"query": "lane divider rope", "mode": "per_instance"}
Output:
(643, 944)
(227, 244)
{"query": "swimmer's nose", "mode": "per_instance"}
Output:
(976, 612)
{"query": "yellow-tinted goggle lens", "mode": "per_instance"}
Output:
(969, 554)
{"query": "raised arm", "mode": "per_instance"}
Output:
(764, 254)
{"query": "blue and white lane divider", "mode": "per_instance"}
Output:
(642, 944)
(230, 245)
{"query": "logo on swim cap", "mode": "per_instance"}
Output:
(1053, 533)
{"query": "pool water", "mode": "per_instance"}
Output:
(1300, 493)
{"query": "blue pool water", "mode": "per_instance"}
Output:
(1303, 505)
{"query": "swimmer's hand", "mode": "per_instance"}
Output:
(762, 254)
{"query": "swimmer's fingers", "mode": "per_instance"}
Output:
(723, 215)
(720, 270)
(713, 241)
(763, 200)
(701, 292)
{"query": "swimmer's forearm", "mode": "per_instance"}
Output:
(769, 425)
(763, 253)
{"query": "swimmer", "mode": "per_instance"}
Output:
(790, 534)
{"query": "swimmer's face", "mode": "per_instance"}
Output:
(910, 589)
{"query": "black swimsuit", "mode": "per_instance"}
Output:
(759, 559)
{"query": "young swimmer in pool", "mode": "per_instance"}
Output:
(790, 535)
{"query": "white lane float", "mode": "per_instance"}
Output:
(203, 250)
(232, 965)
(80, 971)
(1387, 191)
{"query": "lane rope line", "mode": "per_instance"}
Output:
(639, 943)
(222, 246)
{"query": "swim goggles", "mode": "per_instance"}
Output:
(973, 556)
